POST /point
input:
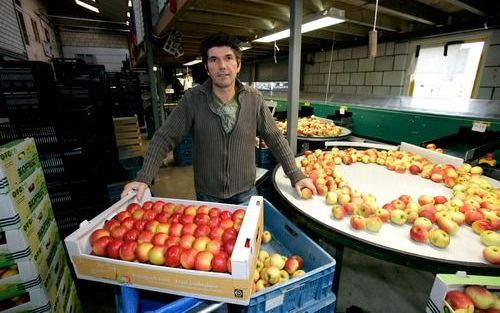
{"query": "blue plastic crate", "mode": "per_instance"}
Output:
(296, 294)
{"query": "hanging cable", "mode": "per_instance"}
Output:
(372, 35)
(329, 70)
(275, 49)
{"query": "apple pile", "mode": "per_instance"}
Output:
(311, 126)
(432, 146)
(474, 202)
(174, 235)
(473, 298)
(274, 269)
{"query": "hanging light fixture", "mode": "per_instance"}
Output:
(323, 19)
(87, 6)
(372, 35)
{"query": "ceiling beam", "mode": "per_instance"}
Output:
(207, 29)
(244, 9)
(410, 10)
(225, 20)
(473, 6)
(168, 18)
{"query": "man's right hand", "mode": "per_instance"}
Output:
(137, 186)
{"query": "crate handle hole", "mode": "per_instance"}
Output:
(247, 243)
(290, 230)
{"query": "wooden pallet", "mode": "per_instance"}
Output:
(128, 137)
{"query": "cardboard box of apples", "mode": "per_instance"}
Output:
(461, 293)
(191, 248)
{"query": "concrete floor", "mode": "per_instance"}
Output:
(373, 285)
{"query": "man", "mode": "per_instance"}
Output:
(224, 116)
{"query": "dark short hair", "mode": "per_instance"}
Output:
(219, 40)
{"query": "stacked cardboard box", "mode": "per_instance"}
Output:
(34, 275)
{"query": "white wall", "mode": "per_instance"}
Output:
(388, 74)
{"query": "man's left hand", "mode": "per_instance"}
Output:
(305, 182)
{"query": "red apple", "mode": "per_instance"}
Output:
(472, 215)
(229, 246)
(159, 239)
(203, 261)
(298, 258)
(118, 232)
(99, 246)
(132, 207)
(98, 233)
(202, 231)
(175, 229)
(186, 219)
(224, 215)
(188, 258)
(425, 199)
(127, 250)
(147, 205)
(186, 241)
(128, 222)
(214, 222)
(149, 215)
(203, 209)
(358, 222)
(219, 263)
(113, 249)
(151, 225)
(430, 215)
(216, 233)
(108, 225)
(145, 236)
(419, 233)
(440, 199)
(179, 208)
(131, 235)
(162, 217)
(291, 265)
(158, 206)
(189, 229)
(122, 215)
(214, 245)
(201, 219)
(172, 241)
(229, 233)
(138, 214)
(190, 210)
(174, 218)
(478, 226)
(226, 223)
(169, 208)
(139, 224)
(214, 212)
(415, 169)
(458, 300)
(173, 256)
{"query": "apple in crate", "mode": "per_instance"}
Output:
(278, 260)
(459, 301)
(113, 249)
(219, 262)
(142, 251)
(188, 258)
(173, 256)
(99, 246)
(291, 265)
(481, 297)
(203, 261)
(98, 233)
(266, 236)
(127, 250)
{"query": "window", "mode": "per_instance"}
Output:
(34, 25)
(446, 71)
(20, 18)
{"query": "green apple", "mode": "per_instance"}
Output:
(439, 238)
(373, 223)
(277, 260)
(490, 238)
(448, 225)
(398, 217)
(424, 222)
(263, 255)
(266, 236)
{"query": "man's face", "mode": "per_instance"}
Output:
(222, 66)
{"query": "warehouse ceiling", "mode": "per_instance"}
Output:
(247, 19)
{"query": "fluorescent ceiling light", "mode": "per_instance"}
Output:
(129, 3)
(87, 6)
(317, 21)
(244, 45)
(195, 61)
(128, 14)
